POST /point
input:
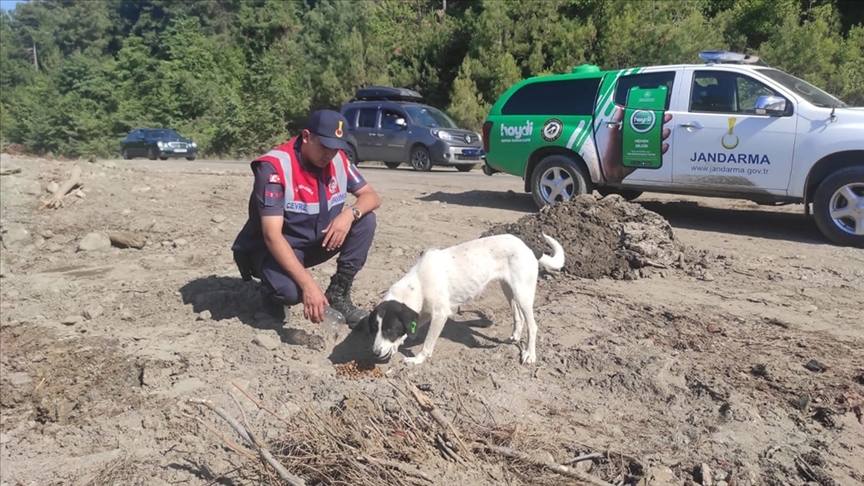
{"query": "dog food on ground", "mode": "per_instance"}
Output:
(608, 237)
(353, 370)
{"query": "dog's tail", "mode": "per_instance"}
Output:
(556, 261)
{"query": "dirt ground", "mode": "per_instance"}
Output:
(687, 341)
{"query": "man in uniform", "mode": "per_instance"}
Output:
(297, 220)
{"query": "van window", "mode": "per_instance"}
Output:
(562, 98)
(351, 116)
(367, 118)
(644, 80)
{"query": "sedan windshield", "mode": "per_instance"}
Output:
(426, 116)
(803, 89)
(164, 134)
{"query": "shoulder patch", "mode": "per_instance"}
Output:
(275, 179)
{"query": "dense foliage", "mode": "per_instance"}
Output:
(76, 76)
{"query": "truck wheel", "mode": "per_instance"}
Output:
(464, 168)
(557, 178)
(392, 165)
(420, 159)
(627, 194)
(838, 207)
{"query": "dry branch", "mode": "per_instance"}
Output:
(260, 405)
(558, 468)
(427, 405)
(249, 438)
(395, 465)
(74, 181)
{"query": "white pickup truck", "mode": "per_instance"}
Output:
(728, 128)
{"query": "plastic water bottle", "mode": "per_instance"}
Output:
(333, 319)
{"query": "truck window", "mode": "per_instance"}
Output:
(725, 92)
(644, 80)
(562, 98)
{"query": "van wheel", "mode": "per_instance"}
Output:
(557, 178)
(838, 207)
(392, 165)
(151, 154)
(351, 153)
(126, 154)
(420, 159)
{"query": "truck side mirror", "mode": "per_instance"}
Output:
(770, 105)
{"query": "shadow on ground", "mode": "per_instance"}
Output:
(508, 200)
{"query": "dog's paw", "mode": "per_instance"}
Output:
(528, 358)
(514, 338)
(416, 360)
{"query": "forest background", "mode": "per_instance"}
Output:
(239, 75)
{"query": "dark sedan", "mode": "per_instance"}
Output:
(156, 143)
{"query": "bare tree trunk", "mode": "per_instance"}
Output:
(35, 57)
(444, 8)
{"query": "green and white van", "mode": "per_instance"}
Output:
(728, 128)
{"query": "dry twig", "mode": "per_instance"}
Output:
(56, 200)
(260, 405)
(250, 440)
(395, 465)
(428, 406)
(558, 468)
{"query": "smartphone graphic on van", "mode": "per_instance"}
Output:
(642, 128)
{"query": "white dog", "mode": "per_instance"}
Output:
(442, 280)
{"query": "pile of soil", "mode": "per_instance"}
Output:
(608, 237)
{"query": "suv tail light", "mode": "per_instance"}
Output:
(487, 130)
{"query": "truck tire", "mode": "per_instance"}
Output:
(838, 207)
(392, 165)
(627, 194)
(557, 178)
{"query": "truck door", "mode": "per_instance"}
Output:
(609, 127)
(720, 140)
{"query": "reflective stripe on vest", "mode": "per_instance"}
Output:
(282, 158)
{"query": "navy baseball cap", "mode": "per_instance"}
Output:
(330, 126)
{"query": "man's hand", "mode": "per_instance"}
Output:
(313, 302)
(337, 230)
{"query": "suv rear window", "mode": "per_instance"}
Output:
(565, 97)
(644, 80)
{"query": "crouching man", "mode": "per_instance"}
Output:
(297, 220)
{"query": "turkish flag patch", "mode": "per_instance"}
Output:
(274, 178)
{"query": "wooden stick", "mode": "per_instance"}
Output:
(260, 405)
(586, 457)
(236, 448)
(57, 200)
(558, 468)
(262, 451)
(395, 465)
(428, 406)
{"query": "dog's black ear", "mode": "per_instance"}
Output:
(371, 324)
(409, 320)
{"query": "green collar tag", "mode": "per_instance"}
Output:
(413, 327)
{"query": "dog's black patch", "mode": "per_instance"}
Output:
(397, 320)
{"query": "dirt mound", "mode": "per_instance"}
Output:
(606, 237)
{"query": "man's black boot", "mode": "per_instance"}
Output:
(276, 308)
(339, 296)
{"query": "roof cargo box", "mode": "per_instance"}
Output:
(386, 93)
